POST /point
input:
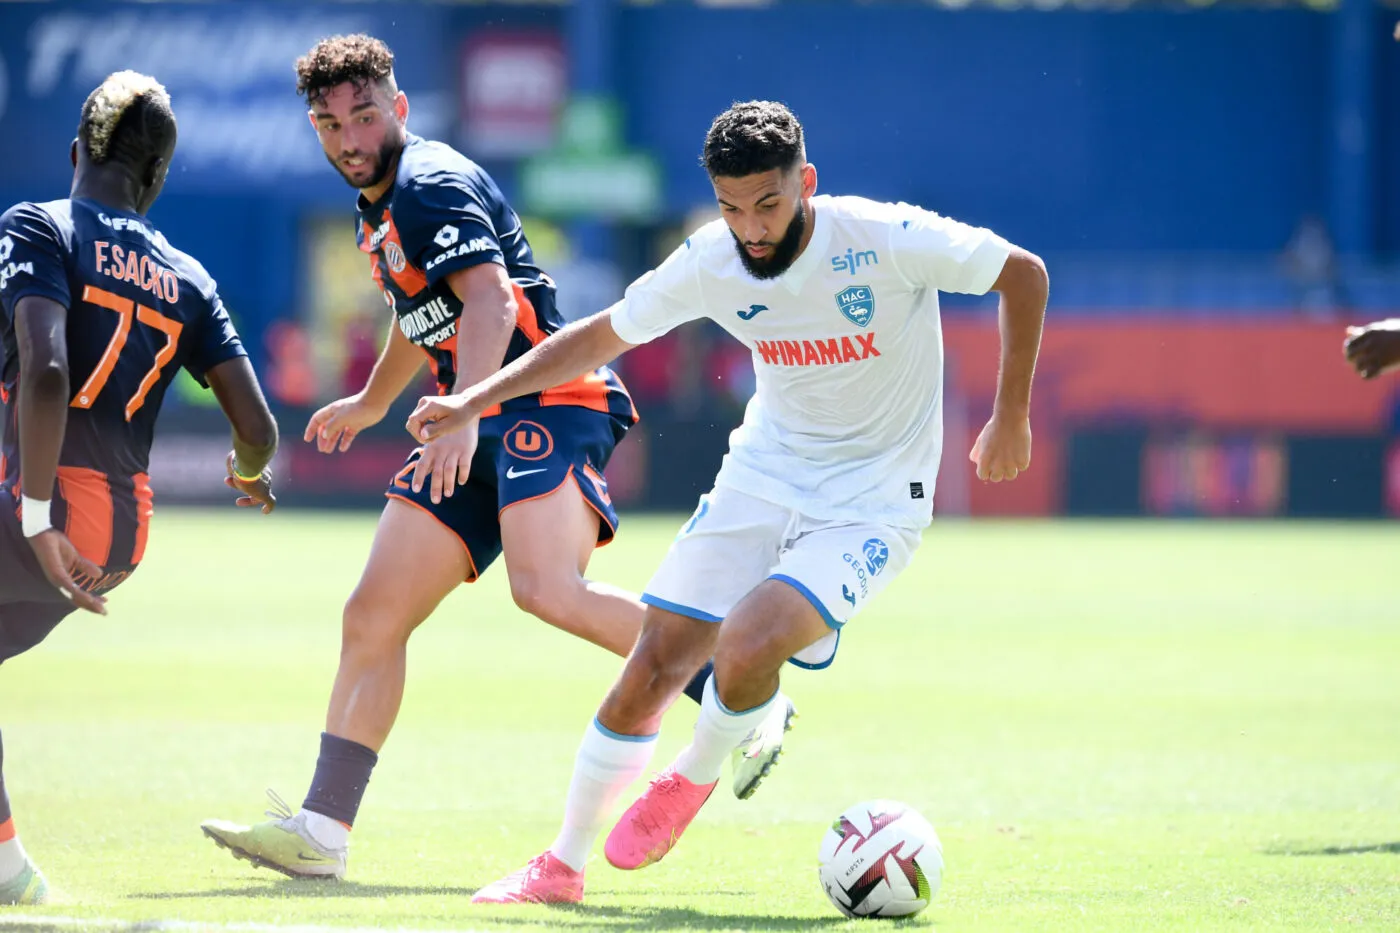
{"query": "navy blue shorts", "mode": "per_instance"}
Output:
(30, 606)
(520, 456)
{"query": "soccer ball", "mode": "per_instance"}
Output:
(880, 859)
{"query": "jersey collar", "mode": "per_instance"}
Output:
(797, 274)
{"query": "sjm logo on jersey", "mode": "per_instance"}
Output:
(857, 303)
(853, 261)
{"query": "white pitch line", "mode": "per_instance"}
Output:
(37, 922)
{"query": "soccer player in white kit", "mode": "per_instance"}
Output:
(828, 483)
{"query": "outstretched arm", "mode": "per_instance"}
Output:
(338, 423)
(489, 311)
(40, 326)
(577, 349)
(1003, 449)
(236, 387)
(395, 369)
(43, 392)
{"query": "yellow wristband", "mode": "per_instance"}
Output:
(245, 479)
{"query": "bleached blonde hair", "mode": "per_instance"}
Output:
(122, 95)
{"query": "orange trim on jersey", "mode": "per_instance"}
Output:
(145, 508)
(375, 272)
(527, 320)
(600, 485)
(587, 391)
(432, 364)
(89, 500)
(472, 575)
(602, 518)
(401, 480)
(4, 395)
(7, 830)
(407, 277)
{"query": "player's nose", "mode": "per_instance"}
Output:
(352, 142)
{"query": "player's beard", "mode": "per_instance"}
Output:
(383, 160)
(784, 251)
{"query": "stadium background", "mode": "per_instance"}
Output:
(1212, 185)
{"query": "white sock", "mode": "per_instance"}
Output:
(718, 732)
(605, 765)
(12, 859)
(327, 832)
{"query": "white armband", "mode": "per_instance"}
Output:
(36, 515)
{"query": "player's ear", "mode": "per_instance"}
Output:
(153, 172)
(809, 180)
(311, 115)
(401, 107)
(73, 152)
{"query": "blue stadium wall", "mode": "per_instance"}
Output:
(1070, 131)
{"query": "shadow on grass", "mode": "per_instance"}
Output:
(644, 916)
(289, 889)
(651, 918)
(1383, 848)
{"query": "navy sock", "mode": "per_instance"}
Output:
(4, 801)
(342, 773)
(696, 688)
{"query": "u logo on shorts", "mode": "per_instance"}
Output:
(529, 440)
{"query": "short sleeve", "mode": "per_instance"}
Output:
(936, 252)
(661, 300)
(444, 226)
(32, 258)
(216, 341)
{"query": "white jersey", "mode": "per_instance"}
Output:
(847, 420)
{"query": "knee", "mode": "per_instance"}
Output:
(656, 670)
(743, 665)
(546, 596)
(647, 687)
(370, 624)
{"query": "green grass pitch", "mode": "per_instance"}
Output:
(1119, 727)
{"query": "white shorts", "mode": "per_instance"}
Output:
(734, 542)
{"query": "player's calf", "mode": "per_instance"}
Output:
(669, 652)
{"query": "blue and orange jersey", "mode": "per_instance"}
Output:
(138, 310)
(444, 213)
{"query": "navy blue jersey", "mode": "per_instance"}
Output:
(138, 310)
(444, 213)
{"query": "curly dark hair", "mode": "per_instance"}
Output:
(751, 137)
(358, 58)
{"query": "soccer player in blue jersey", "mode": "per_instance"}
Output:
(98, 312)
(525, 479)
